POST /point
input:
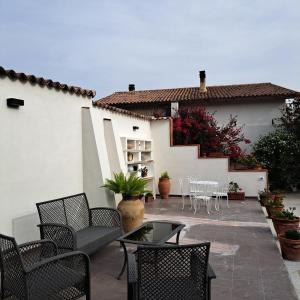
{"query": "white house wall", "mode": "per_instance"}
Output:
(183, 161)
(257, 117)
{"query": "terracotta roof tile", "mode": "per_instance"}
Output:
(214, 93)
(121, 111)
(47, 82)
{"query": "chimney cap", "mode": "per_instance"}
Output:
(131, 87)
(202, 74)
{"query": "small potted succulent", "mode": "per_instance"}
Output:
(290, 245)
(164, 185)
(149, 197)
(285, 220)
(274, 205)
(235, 192)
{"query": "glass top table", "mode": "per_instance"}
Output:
(155, 233)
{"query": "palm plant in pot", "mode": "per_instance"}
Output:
(290, 245)
(164, 185)
(285, 220)
(130, 207)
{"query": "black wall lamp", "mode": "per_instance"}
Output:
(135, 128)
(14, 103)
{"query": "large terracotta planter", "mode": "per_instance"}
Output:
(272, 210)
(290, 249)
(236, 196)
(132, 212)
(283, 225)
(216, 154)
(164, 186)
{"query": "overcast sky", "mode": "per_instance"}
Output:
(107, 44)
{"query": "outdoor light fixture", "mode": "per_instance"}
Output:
(135, 128)
(14, 103)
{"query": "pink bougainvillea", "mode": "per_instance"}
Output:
(198, 126)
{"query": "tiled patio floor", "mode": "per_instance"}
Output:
(244, 254)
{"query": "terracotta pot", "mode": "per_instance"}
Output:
(164, 186)
(132, 212)
(272, 210)
(236, 196)
(283, 225)
(238, 166)
(290, 249)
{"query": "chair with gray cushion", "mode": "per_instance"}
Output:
(170, 273)
(34, 271)
(74, 226)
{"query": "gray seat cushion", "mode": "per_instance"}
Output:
(90, 239)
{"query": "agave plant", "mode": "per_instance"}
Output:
(128, 187)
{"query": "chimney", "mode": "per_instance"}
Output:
(131, 87)
(202, 81)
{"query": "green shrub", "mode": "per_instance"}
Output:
(279, 152)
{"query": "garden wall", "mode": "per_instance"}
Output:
(183, 161)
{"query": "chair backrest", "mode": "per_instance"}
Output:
(173, 272)
(72, 210)
(11, 267)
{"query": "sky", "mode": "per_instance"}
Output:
(107, 44)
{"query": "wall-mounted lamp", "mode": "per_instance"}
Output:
(14, 103)
(135, 128)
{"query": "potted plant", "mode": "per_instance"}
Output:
(274, 205)
(235, 192)
(285, 220)
(144, 172)
(264, 197)
(164, 185)
(149, 197)
(247, 161)
(290, 245)
(130, 207)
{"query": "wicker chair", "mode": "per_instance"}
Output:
(72, 225)
(34, 271)
(170, 272)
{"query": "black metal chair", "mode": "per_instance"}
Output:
(170, 273)
(34, 271)
(72, 225)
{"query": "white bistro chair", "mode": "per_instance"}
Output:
(221, 192)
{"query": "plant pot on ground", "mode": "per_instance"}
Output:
(164, 185)
(131, 207)
(290, 245)
(274, 206)
(285, 220)
(264, 197)
(235, 192)
(149, 197)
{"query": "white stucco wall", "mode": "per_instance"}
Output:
(41, 152)
(183, 161)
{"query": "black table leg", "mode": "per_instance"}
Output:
(125, 261)
(177, 237)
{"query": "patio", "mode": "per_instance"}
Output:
(244, 253)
